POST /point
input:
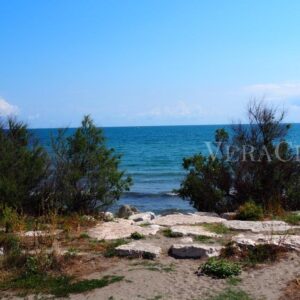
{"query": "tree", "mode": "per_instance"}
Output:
(23, 167)
(85, 174)
(256, 162)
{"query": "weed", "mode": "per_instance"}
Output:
(169, 233)
(203, 238)
(292, 218)
(220, 268)
(230, 294)
(250, 211)
(84, 236)
(111, 246)
(137, 236)
(218, 228)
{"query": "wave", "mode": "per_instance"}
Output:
(149, 195)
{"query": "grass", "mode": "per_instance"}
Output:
(137, 236)
(60, 286)
(170, 234)
(84, 236)
(231, 294)
(203, 238)
(154, 266)
(292, 218)
(220, 268)
(110, 247)
(218, 228)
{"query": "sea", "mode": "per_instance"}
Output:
(153, 157)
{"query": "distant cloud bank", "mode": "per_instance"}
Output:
(7, 109)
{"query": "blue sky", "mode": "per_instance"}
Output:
(147, 62)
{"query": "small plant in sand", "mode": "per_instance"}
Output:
(137, 236)
(220, 268)
(170, 234)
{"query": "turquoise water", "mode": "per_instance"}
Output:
(153, 157)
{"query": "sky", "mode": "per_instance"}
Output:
(147, 62)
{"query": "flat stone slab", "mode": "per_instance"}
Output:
(287, 241)
(193, 231)
(142, 217)
(189, 219)
(139, 249)
(36, 233)
(194, 250)
(260, 226)
(120, 228)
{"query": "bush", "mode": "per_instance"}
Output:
(250, 211)
(220, 268)
(86, 175)
(254, 162)
(23, 167)
(137, 236)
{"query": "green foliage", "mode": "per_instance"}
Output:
(218, 228)
(60, 286)
(137, 236)
(261, 254)
(110, 247)
(203, 238)
(86, 175)
(170, 234)
(250, 211)
(207, 184)
(231, 294)
(292, 218)
(253, 162)
(23, 167)
(220, 268)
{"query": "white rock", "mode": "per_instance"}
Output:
(189, 219)
(139, 249)
(36, 233)
(1, 251)
(186, 240)
(125, 211)
(120, 228)
(194, 250)
(192, 230)
(106, 216)
(288, 241)
(142, 217)
(259, 226)
(88, 218)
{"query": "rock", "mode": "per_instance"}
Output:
(288, 241)
(229, 215)
(204, 213)
(106, 216)
(125, 211)
(139, 249)
(35, 233)
(142, 217)
(189, 219)
(1, 251)
(186, 240)
(259, 226)
(192, 230)
(120, 228)
(194, 251)
(88, 218)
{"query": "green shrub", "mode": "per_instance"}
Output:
(250, 211)
(220, 268)
(137, 236)
(292, 218)
(217, 228)
(170, 234)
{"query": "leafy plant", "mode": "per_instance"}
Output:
(292, 218)
(85, 175)
(220, 268)
(218, 228)
(137, 236)
(170, 234)
(250, 211)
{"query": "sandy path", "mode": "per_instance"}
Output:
(181, 283)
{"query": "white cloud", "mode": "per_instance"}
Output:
(179, 109)
(276, 91)
(7, 109)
